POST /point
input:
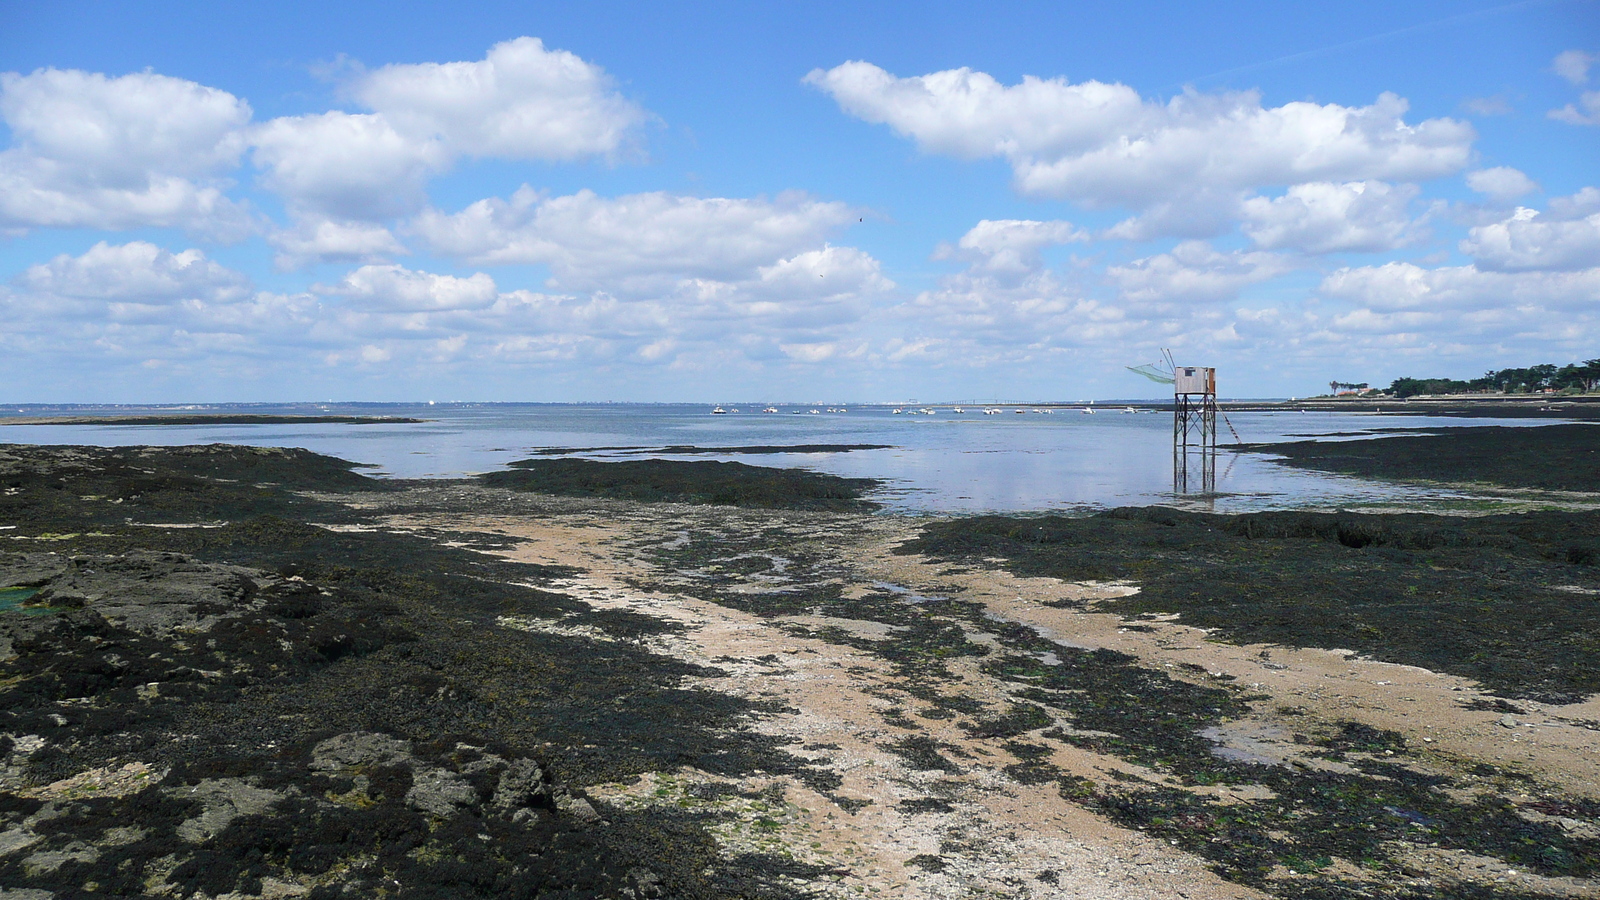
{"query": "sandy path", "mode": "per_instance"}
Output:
(1560, 744)
(997, 838)
(976, 831)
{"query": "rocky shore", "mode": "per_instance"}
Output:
(242, 672)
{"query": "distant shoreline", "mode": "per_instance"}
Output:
(1546, 406)
(211, 419)
(1524, 406)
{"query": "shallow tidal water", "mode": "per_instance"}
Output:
(940, 464)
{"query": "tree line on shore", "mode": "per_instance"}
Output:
(1581, 377)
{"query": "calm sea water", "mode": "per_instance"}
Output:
(943, 463)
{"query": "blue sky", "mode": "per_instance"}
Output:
(627, 201)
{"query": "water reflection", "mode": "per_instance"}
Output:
(945, 463)
(1194, 469)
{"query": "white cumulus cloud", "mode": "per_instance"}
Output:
(1573, 65)
(1501, 183)
(1403, 286)
(1566, 238)
(398, 289)
(318, 239)
(140, 305)
(114, 153)
(1325, 217)
(813, 298)
(1010, 245)
(346, 166)
(1585, 112)
(633, 243)
(136, 272)
(521, 101)
(810, 290)
(970, 115)
(982, 318)
(121, 128)
(1102, 144)
(1195, 271)
(139, 150)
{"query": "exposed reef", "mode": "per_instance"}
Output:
(1548, 457)
(203, 694)
(1507, 600)
(661, 480)
(690, 450)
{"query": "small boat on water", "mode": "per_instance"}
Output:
(896, 412)
(770, 409)
(958, 410)
(719, 411)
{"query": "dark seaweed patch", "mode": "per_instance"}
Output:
(1116, 706)
(381, 632)
(1359, 738)
(1311, 817)
(1247, 575)
(1484, 597)
(926, 633)
(927, 862)
(688, 450)
(1021, 718)
(114, 485)
(657, 481)
(1547, 457)
(1034, 767)
(1317, 816)
(922, 753)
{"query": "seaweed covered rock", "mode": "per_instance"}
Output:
(107, 656)
(1548, 457)
(355, 814)
(676, 481)
(110, 638)
(204, 694)
(81, 487)
(1507, 600)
